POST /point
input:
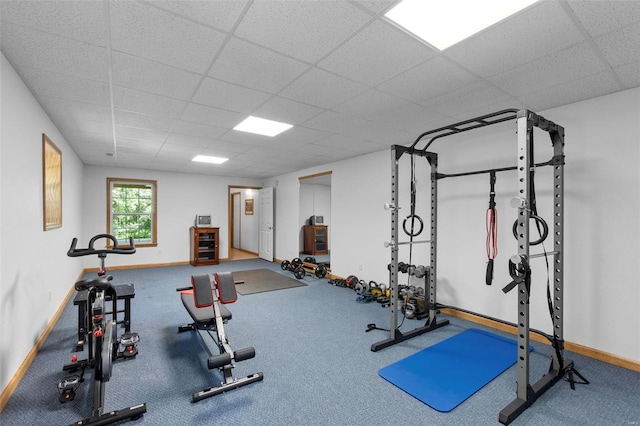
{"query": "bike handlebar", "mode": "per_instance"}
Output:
(75, 252)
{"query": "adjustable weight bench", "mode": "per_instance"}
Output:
(204, 303)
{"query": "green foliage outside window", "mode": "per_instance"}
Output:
(132, 211)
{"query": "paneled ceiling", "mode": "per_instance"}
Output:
(151, 84)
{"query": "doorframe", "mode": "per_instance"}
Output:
(232, 215)
(301, 180)
(230, 209)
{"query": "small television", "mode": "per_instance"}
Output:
(316, 220)
(203, 221)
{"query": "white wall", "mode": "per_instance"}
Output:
(180, 197)
(602, 224)
(35, 273)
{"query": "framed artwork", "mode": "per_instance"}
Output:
(51, 184)
(248, 206)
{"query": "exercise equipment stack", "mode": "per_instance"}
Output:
(300, 267)
(519, 264)
(101, 337)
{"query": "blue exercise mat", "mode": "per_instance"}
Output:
(445, 374)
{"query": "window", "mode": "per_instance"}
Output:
(132, 211)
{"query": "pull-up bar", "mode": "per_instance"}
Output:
(463, 126)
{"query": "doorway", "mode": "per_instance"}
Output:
(243, 231)
(315, 210)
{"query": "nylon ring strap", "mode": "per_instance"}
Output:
(492, 228)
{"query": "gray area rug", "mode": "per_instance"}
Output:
(261, 280)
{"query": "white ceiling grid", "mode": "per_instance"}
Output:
(151, 84)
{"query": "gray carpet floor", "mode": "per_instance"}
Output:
(318, 368)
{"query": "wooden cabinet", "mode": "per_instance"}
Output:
(204, 246)
(316, 239)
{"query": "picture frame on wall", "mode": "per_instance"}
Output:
(248, 206)
(51, 184)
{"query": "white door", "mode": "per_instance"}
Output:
(265, 250)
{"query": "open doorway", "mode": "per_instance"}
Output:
(314, 239)
(243, 226)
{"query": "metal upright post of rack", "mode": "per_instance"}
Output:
(526, 393)
(396, 336)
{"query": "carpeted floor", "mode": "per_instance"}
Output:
(318, 368)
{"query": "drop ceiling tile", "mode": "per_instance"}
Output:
(328, 154)
(77, 110)
(306, 30)
(509, 43)
(428, 80)
(230, 148)
(64, 86)
(337, 123)
(377, 53)
(188, 141)
(466, 98)
(146, 103)
(219, 14)
(143, 121)
(147, 147)
(286, 110)
(301, 134)
(166, 155)
(375, 105)
(245, 138)
(601, 17)
(198, 130)
(377, 6)
(622, 46)
(103, 141)
(322, 89)
(212, 116)
(229, 96)
(140, 134)
(629, 74)
(182, 149)
(353, 145)
(572, 63)
(99, 129)
(78, 20)
(136, 73)
(25, 47)
(252, 66)
(142, 30)
(572, 91)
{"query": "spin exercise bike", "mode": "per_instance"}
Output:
(104, 347)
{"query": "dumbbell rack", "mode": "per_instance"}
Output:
(396, 336)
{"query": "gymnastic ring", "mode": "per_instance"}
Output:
(404, 225)
(538, 219)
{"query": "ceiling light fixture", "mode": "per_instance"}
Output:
(445, 23)
(208, 159)
(261, 126)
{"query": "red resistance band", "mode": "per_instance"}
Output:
(492, 229)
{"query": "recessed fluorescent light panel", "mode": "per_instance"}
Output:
(260, 126)
(207, 159)
(443, 23)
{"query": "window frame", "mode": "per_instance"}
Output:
(154, 214)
